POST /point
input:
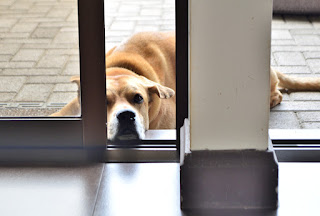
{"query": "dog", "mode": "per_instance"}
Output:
(141, 78)
(141, 84)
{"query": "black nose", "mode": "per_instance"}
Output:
(126, 116)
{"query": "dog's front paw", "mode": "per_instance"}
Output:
(275, 98)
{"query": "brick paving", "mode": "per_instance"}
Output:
(295, 50)
(39, 53)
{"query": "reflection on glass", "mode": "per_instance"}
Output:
(140, 40)
(39, 53)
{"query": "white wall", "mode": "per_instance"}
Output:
(229, 73)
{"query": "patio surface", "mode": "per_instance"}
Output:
(295, 50)
(39, 53)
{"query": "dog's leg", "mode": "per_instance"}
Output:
(275, 94)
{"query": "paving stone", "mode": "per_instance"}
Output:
(309, 116)
(11, 83)
(298, 106)
(50, 46)
(314, 64)
(62, 97)
(272, 61)
(14, 35)
(16, 64)
(5, 58)
(289, 58)
(277, 34)
(42, 20)
(120, 33)
(170, 2)
(147, 3)
(3, 30)
(122, 25)
(283, 120)
(167, 27)
(70, 4)
(293, 69)
(282, 42)
(67, 37)
(129, 9)
(58, 24)
(307, 39)
(31, 71)
(294, 48)
(141, 28)
(45, 32)
(305, 96)
(311, 55)
(25, 27)
(305, 31)
(73, 17)
(21, 5)
(307, 75)
(72, 68)
(168, 15)
(7, 22)
(59, 12)
(39, 9)
(52, 61)
(25, 41)
(49, 79)
(6, 96)
(47, 2)
(156, 20)
(285, 97)
(77, 57)
(28, 55)
(150, 12)
(6, 2)
(311, 125)
(21, 16)
(67, 87)
(115, 40)
(69, 29)
(63, 52)
(34, 93)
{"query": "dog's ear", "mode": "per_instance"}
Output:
(162, 91)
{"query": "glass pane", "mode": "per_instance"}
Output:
(39, 55)
(295, 52)
(140, 40)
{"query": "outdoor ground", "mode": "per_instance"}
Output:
(39, 53)
(295, 50)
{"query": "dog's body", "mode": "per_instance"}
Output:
(141, 72)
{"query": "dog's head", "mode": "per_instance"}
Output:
(130, 100)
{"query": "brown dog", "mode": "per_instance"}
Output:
(140, 73)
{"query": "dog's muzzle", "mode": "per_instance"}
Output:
(127, 126)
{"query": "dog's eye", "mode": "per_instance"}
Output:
(138, 99)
